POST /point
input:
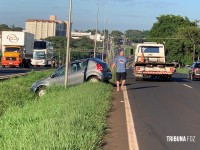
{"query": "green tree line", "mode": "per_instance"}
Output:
(180, 36)
(4, 27)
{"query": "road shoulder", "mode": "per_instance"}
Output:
(117, 137)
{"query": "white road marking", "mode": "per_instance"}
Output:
(132, 138)
(188, 86)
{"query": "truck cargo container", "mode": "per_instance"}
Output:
(17, 49)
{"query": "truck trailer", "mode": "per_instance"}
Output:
(17, 49)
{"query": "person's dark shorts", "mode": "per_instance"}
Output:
(121, 76)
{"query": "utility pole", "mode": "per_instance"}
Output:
(104, 34)
(68, 42)
(97, 22)
(194, 53)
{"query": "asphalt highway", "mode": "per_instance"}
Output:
(166, 114)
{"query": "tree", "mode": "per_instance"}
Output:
(179, 35)
(13, 28)
(59, 44)
(134, 35)
(93, 31)
(168, 25)
(117, 35)
(4, 27)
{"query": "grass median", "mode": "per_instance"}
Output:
(72, 118)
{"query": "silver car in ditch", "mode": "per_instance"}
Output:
(92, 69)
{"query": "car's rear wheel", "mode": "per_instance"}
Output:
(94, 79)
(41, 91)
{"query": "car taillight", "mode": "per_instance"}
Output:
(194, 69)
(99, 67)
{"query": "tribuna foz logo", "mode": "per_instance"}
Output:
(181, 139)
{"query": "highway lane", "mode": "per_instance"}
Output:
(163, 110)
(10, 71)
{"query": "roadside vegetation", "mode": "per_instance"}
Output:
(16, 92)
(182, 70)
(72, 118)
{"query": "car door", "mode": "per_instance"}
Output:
(77, 74)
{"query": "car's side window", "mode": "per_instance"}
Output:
(83, 65)
(79, 66)
(193, 65)
(74, 68)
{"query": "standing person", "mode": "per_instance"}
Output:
(120, 64)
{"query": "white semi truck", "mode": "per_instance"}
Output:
(42, 53)
(150, 61)
(17, 48)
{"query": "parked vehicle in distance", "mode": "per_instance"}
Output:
(17, 49)
(42, 53)
(92, 69)
(194, 71)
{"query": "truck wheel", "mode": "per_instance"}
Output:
(3, 66)
(21, 65)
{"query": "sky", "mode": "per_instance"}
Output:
(117, 14)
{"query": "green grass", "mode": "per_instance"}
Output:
(16, 92)
(71, 119)
(182, 70)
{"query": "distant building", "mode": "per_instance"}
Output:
(46, 28)
(99, 37)
(78, 35)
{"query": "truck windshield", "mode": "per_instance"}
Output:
(148, 49)
(39, 55)
(40, 45)
(12, 49)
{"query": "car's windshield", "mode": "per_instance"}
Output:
(59, 71)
